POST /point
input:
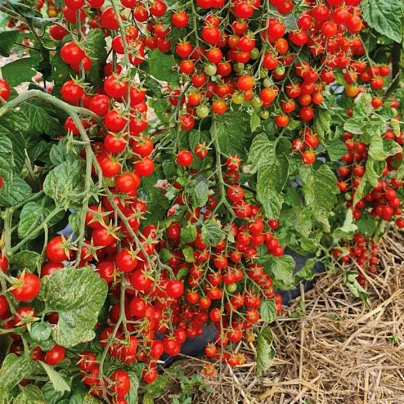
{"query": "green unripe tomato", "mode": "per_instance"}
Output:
(263, 73)
(264, 114)
(210, 69)
(239, 67)
(202, 111)
(267, 83)
(231, 288)
(255, 54)
(280, 69)
(237, 98)
(256, 101)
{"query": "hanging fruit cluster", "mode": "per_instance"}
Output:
(186, 145)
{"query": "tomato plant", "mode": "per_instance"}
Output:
(158, 157)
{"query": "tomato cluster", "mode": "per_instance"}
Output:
(205, 262)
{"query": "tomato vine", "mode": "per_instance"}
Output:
(161, 161)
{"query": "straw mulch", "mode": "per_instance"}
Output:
(331, 348)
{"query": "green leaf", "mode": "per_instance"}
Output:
(20, 71)
(6, 165)
(385, 16)
(255, 121)
(188, 254)
(391, 148)
(77, 295)
(25, 259)
(7, 41)
(265, 351)
(168, 168)
(30, 394)
(188, 234)
(261, 151)
(32, 215)
(351, 281)
(211, 232)
(161, 66)
(272, 178)
(376, 149)
(366, 224)
(319, 189)
(355, 125)
(132, 396)
(58, 382)
(347, 230)
(336, 149)
(268, 310)
(231, 130)
(158, 386)
(41, 121)
(65, 182)
(373, 172)
(19, 145)
(40, 331)
(281, 271)
(98, 54)
(18, 192)
(307, 272)
(200, 196)
(13, 370)
(322, 122)
(157, 203)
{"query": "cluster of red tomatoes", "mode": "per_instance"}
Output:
(382, 202)
(232, 53)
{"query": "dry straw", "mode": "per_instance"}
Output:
(330, 347)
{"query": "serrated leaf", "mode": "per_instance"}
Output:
(6, 165)
(188, 254)
(347, 230)
(32, 215)
(30, 394)
(373, 172)
(98, 54)
(376, 149)
(307, 272)
(268, 310)
(255, 121)
(200, 195)
(20, 71)
(231, 131)
(271, 180)
(211, 233)
(65, 182)
(261, 151)
(13, 370)
(132, 396)
(322, 121)
(18, 191)
(265, 351)
(391, 148)
(385, 16)
(188, 233)
(336, 149)
(355, 125)
(77, 296)
(281, 271)
(351, 281)
(157, 203)
(25, 259)
(7, 41)
(366, 224)
(161, 66)
(319, 189)
(58, 382)
(41, 121)
(158, 386)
